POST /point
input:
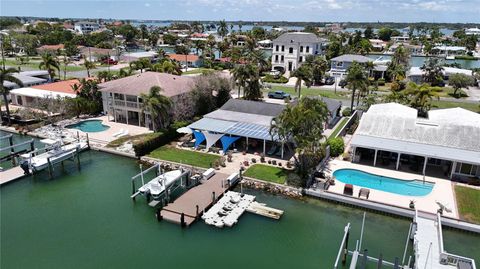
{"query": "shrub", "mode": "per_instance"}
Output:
(347, 112)
(381, 82)
(337, 146)
(271, 79)
(157, 139)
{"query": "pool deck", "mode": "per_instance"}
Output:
(442, 191)
(107, 135)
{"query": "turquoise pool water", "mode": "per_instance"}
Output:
(381, 183)
(89, 126)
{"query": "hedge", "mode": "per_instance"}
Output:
(272, 79)
(158, 139)
(337, 146)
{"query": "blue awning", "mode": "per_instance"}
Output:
(227, 141)
(199, 138)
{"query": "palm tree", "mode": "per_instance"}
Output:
(257, 57)
(140, 64)
(49, 63)
(161, 54)
(319, 66)
(89, 65)
(125, 72)
(222, 29)
(157, 105)
(242, 74)
(421, 96)
(168, 67)
(199, 45)
(432, 69)
(305, 73)
(7, 75)
(66, 61)
(356, 79)
(401, 56)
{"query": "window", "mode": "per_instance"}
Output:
(283, 48)
(466, 169)
(276, 58)
(301, 48)
(281, 58)
(339, 64)
(300, 59)
(276, 48)
(308, 49)
(290, 50)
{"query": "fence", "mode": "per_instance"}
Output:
(355, 116)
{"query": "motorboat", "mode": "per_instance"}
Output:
(55, 151)
(158, 185)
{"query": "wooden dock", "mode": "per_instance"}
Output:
(11, 174)
(201, 196)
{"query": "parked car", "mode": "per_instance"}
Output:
(342, 83)
(329, 81)
(76, 57)
(278, 95)
(109, 61)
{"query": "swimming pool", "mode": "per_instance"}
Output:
(381, 183)
(89, 126)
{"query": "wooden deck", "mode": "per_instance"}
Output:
(201, 195)
(11, 175)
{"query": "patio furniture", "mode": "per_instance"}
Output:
(364, 192)
(348, 189)
(208, 174)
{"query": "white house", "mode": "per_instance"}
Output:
(472, 31)
(86, 27)
(291, 49)
(445, 144)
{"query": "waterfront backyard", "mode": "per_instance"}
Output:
(93, 210)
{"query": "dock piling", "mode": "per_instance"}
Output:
(182, 220)
(345, 249)
(196, 211)
(213, 197)
(50, 168)
(158, 214)
(78, 158)
(380, 261)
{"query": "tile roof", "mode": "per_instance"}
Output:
(181, 57)
(60, 86)
(141, 83)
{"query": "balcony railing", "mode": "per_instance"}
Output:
(119, 103)
(132, 104)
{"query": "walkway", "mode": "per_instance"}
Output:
(201, 196)
(11, 174)
(428, 244)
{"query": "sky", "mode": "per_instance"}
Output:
(257, 10)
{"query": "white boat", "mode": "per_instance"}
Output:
(158, 185)
(56, 152)
(450, 57)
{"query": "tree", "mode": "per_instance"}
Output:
(49, 63)
(209, 92)
(253, 90)
(385, 33)
(157, 106)
(222, 29)
(71, 49)
(242, 74)
(140, 64)
(302, 124)
(128, 32)
(432, 71)
(168, 67)
(6, 74)
(66, 61)
(459, 81)
(421, 96)
(303, 73)
(356, 79)
(198, 44)
(89, 65)
(368, 33)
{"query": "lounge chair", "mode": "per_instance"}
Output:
(364, 192)
(124, 133)
(348, 189)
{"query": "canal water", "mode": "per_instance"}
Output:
(86, 219)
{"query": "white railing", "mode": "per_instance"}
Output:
(119, 103)
(447, 258)
(132, 104)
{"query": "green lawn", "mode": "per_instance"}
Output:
(339, 127)
(311, 92)
(197, 71)
(475, 107)
(468, 201)
(169, 153)
(267, 173)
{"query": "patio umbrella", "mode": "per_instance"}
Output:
(184, 130)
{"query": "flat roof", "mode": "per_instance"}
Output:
(239, 117)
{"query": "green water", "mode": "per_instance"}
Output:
(86, 219)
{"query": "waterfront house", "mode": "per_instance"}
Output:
(378, 44)
(412, 49)
(122, 101)
(444, 144)
(291, 49)
(472, 31)
(190, 60)
(86, 27)
(30, 96)
(415, 74)
(448, 50)
(339, 65)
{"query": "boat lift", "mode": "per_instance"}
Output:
(361, 258)
(11, 147)
(184, 180)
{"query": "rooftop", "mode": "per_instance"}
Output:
(141, 83)
(451, 133)
(298, 37)
(253, 107)
(59, 87)
(181, 57)
(352, 58)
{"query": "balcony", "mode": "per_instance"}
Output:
(132, 104)
(119, 102)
